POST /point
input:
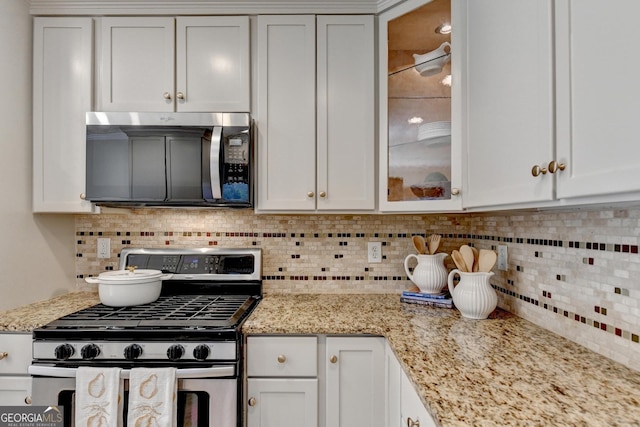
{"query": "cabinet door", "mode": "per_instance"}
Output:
(509, 101)
(278, 402)
(346, 103)
(393, 373)
(62, 87)
(15, 390)
(212, 63)
(597, 97)
(286, 113)
(412, 406)
(355, 382)
(137, 64)
(420, 113)
(285, 118)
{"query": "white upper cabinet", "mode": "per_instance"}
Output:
(316, 136)
(551, 103)
(419, 94)
(138, 56)
(509, 101)
(286, 113)
(598, 93)
(62, 88)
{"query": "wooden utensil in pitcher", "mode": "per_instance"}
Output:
(433, 241)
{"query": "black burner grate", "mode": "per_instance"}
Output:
(168, 311)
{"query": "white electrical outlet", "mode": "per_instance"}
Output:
(502, 258)
(104, 247)
(375, 252)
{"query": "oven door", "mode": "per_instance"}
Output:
(204, 399)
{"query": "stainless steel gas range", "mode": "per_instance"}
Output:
(194, 326)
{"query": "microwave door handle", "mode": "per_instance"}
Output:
(214, 162)
(55, 371)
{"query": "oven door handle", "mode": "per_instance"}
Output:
(55, 371)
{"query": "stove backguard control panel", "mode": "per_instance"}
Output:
(243, 264)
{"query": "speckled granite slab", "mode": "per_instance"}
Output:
(494, 372)
(29, 317)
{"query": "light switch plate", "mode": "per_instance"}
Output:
(503, 258)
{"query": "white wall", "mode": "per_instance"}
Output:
(37, 252)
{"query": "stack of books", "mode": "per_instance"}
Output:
(443, 299)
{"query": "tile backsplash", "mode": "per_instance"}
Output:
(574, 272)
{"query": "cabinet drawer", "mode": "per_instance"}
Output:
(282, 356)
(18, 350)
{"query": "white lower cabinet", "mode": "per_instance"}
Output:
(403, 404)
(15, 382)
(412, 410)
(315, 381)
(282, 384)
(282, 402)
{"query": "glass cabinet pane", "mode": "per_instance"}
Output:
(419, 104)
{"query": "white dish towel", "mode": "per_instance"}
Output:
(152, 397)
(98, 397)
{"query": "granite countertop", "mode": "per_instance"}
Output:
(500, 371)
(29, 317)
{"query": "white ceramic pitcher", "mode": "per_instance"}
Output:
(473, 295)
(430, 275)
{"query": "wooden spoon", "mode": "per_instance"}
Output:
(487, 260)
(419, 244)
(433, 241)
(467, 255)
(476, 257)
(458, 260)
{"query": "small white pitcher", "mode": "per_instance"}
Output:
(430, 275)
(473, 295)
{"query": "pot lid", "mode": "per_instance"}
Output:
(131, 274)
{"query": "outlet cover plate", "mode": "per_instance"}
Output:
(375, 252)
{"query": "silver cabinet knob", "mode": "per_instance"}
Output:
(166, 95)
(252, 401)
(455, 191)
(83, 196)
(27, 400)
(180, 95)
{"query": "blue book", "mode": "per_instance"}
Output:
(441, 295)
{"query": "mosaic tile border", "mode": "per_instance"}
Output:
(342, 240)
(633, 337)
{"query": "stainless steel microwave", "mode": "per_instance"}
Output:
(169, 159)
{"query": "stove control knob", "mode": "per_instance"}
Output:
(64, 351)
(201, 352)
(175, 352)
(132, 351)
(89, 351)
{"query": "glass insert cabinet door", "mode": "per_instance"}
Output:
(420, 155)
